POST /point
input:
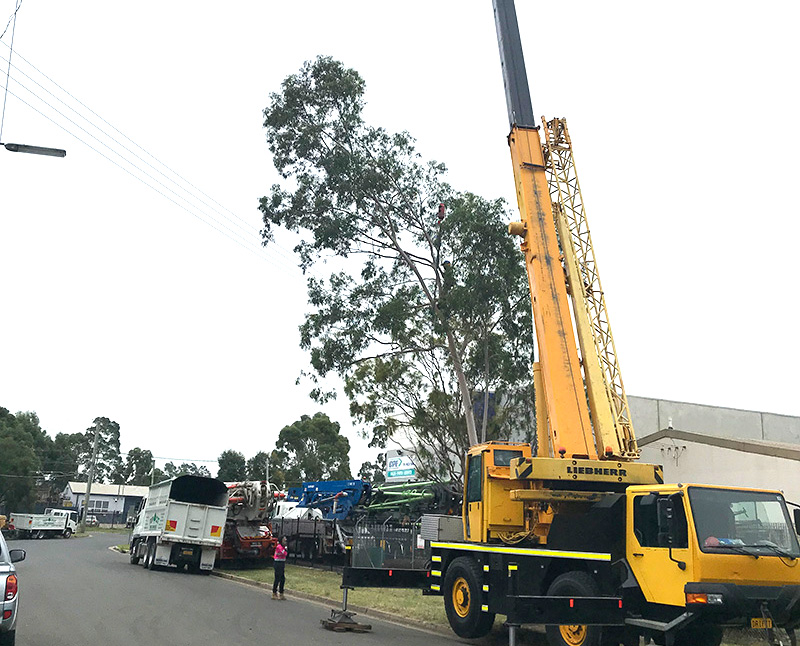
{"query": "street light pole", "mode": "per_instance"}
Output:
(90, 479)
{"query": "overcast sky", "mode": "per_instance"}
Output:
(119, 301)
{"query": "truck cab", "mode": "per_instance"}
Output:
(723, 552)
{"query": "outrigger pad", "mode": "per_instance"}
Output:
(342, 621)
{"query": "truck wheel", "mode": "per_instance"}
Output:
(699, 635)
(67, 532)
(574, 584)
(462, 599)
(134, 559)
(150, 557)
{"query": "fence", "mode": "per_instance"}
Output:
(389, 544)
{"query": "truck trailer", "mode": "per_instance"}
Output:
(180, 523)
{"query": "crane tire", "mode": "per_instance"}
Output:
(462, 599)
(574, 584)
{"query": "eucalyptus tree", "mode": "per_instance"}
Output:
(427, 311)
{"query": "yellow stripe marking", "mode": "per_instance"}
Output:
(521, 551)
(436, 559)
(485, 568)
(486, 588)
(512, 568)
(436, 573)
(435, 587)
(484, 608)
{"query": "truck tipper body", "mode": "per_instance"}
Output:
(180, 523)
(54, 522)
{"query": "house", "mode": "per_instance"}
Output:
(110, 503)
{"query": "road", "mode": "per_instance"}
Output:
(77, 592)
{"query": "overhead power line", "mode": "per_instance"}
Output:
(183, 193)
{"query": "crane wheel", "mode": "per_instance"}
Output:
(462, 599)
(574, 584)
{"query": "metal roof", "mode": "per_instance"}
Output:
(108, 489)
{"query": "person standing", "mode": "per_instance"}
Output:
(279, 561)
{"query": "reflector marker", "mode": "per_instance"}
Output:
(484, 608)
(435, 587)
(436, 573)
(436, 559)
(485, 568)
(485, 588)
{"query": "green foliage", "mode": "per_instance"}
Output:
(138, 467)
(257, 466)
(374, 471)
(108, 467)
(19, 463)
(232, 466)
(311, 449)
(186, 468)
(431, 307)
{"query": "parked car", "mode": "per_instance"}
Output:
(91, 521)
(9, 603)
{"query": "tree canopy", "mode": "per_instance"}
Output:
(429, 318)
(232, 466)
(311, 449)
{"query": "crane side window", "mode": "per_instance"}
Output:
(645, 523)
(503, 457)
(474, 478)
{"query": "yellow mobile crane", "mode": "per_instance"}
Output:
(582, 537)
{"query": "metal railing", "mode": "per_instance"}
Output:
(389, 544)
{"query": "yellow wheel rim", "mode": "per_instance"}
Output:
(573, 635)
(461, 598)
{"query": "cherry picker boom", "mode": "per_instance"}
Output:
(582, 537)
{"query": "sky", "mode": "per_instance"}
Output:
(157, 307)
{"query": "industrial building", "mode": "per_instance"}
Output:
(697, 443)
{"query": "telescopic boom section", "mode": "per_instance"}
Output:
(569, 426)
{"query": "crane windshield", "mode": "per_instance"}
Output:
(750, 522)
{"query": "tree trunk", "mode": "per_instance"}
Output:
(485, 420)
(463, 387)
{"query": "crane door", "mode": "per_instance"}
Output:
(473, 503)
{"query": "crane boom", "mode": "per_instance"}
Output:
(568, 421)
(608, 403)
(557, 245)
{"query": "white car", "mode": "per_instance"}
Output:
(91, 521)
(9, 604)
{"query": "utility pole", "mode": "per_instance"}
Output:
(91, 476)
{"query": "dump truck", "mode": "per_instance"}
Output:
(53, 522)
(578, 535)
(180, 523)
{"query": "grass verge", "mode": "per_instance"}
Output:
(409, 604)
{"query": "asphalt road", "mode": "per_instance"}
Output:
(77, 592)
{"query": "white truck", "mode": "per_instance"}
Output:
(180, 523)
(53, 522)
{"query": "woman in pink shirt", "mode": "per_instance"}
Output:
(279, 561)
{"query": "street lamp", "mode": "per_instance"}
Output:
(35, 150)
